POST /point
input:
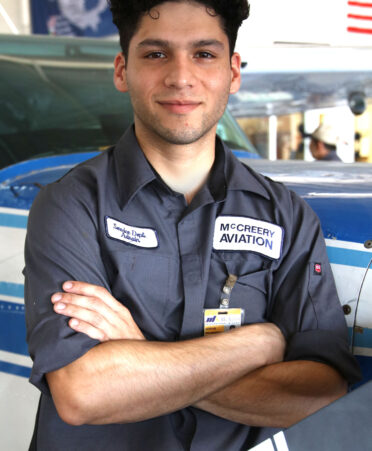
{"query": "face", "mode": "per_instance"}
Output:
(314, 148)
(179, 73)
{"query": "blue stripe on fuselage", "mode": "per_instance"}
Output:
(363, 339)
(17, 370)
(349, 257)
(15, 221)
(12, 289)
(13, 328)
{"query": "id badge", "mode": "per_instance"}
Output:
(222, 320)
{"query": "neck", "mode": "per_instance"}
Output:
(184, 168)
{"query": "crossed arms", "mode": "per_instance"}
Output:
(239, 375)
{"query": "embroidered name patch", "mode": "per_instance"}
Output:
(236, 233)
(137, 236)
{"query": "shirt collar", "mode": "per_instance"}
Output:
(133, 171)
(240, 177)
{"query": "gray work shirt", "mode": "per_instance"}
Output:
(111, 221)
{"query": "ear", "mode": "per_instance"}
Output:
(236, 62)
(120, 79)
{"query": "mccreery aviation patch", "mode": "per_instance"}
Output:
(238, 233)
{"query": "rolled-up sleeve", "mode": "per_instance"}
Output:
(304, 301)
(61, 244)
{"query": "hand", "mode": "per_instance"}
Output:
(95, 312)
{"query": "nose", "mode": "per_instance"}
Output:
(180, 73)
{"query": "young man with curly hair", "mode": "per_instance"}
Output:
(137, 260)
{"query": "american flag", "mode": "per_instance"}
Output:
(359, 17)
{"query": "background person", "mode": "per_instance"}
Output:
(323, 144)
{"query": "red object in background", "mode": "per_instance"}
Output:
(359, 13)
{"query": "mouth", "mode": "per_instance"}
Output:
(179, 106)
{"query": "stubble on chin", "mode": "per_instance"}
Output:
(182, 134)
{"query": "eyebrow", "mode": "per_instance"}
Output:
(194, 44)
(209, 43)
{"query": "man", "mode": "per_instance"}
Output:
(323, 144)
(135, 258)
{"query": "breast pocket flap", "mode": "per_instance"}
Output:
(258, 280)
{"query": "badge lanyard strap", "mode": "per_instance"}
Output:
(226, 291)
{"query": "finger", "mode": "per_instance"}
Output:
(93, 304)
(87, 329)
(98, 299)
(98, 315)
(96, 320)
(90, 290)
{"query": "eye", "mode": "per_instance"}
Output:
(155, 55)
(204, 55)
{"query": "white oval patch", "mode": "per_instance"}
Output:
(137, 236)
(238, 233)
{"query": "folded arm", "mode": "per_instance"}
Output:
(237, 375)
(128, 379)
(277, 395)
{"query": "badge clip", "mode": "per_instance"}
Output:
(226, 291)
(223, 319)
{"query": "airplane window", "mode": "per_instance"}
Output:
(60, 98)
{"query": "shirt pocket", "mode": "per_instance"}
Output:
(251, 293)
(252, 288)
(142, 282)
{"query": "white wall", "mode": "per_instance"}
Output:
(14, 17)
(315, 21)
(302, 21)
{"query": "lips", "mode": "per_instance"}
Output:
(179, 106)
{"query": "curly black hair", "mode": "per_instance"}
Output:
(126, 15)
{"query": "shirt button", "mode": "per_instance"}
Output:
(193, 278)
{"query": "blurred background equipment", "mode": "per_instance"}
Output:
(89, 18)
(293, 72)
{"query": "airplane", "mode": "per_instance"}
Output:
(287, 78)
(69, 111)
